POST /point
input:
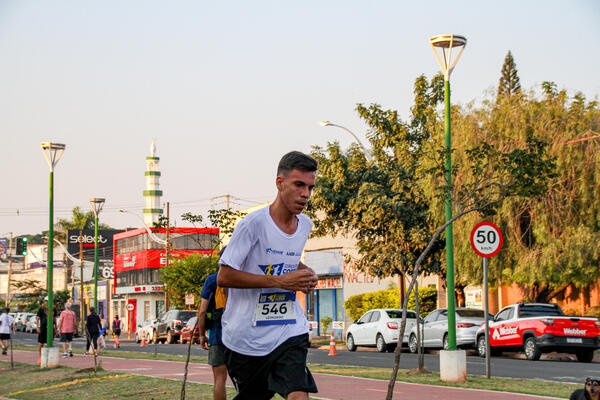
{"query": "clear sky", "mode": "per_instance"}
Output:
(227, 87)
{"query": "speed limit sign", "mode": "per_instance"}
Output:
(486, 239)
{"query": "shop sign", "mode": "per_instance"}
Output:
(189, 299)
(337, 325)
(329, 283)
(139, 289)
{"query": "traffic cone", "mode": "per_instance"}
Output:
(332, 349)
(143, 344)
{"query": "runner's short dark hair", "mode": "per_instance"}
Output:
(296, 160)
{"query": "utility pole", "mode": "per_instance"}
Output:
(9, 270)
(168, 251)
(81, 303)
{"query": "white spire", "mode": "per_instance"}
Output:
(153, 148)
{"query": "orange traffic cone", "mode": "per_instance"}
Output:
(143, 344)
(332, 349)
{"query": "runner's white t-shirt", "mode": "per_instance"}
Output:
(7, 321)
(258, 246)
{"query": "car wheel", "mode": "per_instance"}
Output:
(445, 342)
(413, 346)
(137, 338)
(481, 346)
(380, 343)
(585, 356)
(532, 351)
(350, 343)
(154, 337)
(170, 337)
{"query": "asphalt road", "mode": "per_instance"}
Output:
(554, 367)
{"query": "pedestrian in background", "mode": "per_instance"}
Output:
(66, 327)
(42, 331)
(116, 329)
(93, 327)
(7, 324)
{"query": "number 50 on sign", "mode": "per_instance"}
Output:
(486, 239)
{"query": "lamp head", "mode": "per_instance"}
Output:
(446, 43)
(325, 123)
(96, 203)
(54, 153)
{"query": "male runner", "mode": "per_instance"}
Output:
(265, 331)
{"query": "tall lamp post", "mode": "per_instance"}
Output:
(96, 204)
(52, 153)
(356, 139)
(446, 43)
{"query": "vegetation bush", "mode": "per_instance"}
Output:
(359, 304)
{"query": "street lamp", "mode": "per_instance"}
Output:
(52, 153)
(447, 43)
(96, 204)
(364, 149)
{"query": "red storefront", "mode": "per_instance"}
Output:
(138, 291)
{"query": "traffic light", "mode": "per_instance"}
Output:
(22, 246)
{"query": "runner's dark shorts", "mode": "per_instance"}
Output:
(282, 371)
(216, 355)
(66, 337)
(4, 336)
(117, 332)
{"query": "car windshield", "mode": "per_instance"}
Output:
(184, 316)
(536, 310)
(191, 322)
(470, 313)
(398, 314)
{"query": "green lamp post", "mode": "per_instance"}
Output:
(96, 204)
(52, 152)
(447, 43)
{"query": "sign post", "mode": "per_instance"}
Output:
(486, 240)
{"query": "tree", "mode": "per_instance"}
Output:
(509, 80)
(187, 275)
(80, 220)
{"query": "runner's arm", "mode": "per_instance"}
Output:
(202, 324)
(298, 280)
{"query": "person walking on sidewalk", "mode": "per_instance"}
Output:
(7, 325)
(42, 329)
(213, 303)
(93, 327)
(265, 332)
(116, 330)
(66, 327)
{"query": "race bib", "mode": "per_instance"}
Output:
(275, 309)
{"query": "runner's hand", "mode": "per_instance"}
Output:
(303, 280)
(204, 342)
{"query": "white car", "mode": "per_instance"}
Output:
(379, 328)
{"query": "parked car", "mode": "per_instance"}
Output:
(184, 337)
(537, 328)
(145, 331)
(168, 327)
(379, 328)
(31, 326)
(435, 329)
(21, 320)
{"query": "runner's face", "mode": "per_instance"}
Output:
(295, 189)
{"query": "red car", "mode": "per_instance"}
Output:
(185, 331)
(537, 328)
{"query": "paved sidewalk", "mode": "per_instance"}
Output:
(331, 387)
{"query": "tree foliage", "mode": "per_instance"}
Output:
(187, 275)
(359, 304)
(550, 239)
(80, 220)
(510, 83)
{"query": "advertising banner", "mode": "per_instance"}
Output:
(86, 239)
(150, 258)
(325, 262)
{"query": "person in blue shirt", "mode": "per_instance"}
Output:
(211, 307)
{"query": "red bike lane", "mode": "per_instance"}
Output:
(331, 387)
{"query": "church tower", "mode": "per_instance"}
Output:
(152, 193)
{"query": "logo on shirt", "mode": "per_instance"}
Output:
(273, 251)
(276, 269)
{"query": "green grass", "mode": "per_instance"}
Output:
(513, 385)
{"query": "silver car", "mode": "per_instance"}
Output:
(435, 329)
(379, 328)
